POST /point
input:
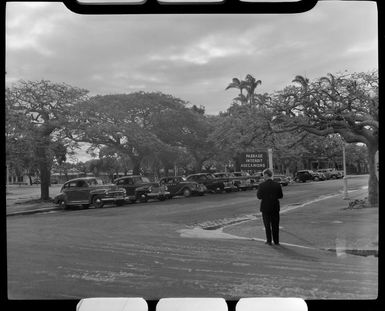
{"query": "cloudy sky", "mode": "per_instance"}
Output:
(193, 57)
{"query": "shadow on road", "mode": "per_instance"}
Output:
(290, 252)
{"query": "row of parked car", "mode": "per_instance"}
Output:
(91, 192)
(321, 174)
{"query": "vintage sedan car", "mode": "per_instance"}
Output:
(318, 176)
(251, 182)
(281, 179)
(89, 191)
(305, 175)
(140, 188)
(177, 185)
(212, 183)
(330, 173)
(239, 182)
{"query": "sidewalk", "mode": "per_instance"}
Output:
(25, 200)
(327, 223)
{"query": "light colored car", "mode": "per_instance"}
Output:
(282, 179)
(89, 191)
(330, 173)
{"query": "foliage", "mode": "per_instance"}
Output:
(37, 112)
(343, 104)
(138, 124)
(249, 85)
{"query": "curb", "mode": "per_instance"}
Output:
(33, 211)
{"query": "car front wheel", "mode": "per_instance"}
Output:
(143, 198)
(97, 202)
(186, 192)
(62, 204)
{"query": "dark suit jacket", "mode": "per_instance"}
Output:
(269, 192)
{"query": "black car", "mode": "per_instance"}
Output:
(141, 188)
(304, 175)
(177, 185)
(89, 191)
(212, 183)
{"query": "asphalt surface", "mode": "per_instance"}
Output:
(201, 247)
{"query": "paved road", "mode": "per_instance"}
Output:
(138, 251)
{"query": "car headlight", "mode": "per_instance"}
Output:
(149, 189)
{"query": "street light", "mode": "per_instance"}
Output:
(345, 178)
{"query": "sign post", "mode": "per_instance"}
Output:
(270, 151)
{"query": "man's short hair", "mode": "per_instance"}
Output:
(267, 172)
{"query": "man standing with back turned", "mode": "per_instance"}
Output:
(269, 192)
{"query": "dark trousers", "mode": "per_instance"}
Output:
(271, 222)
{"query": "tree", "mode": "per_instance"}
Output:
(343, 104)
(249, 84)
(241, 85)
(46, 108)
(137, 124)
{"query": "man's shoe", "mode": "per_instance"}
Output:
(268, 243)
(277, 243)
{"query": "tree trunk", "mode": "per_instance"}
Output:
(373, 181)
(136, 165)
(44, 166)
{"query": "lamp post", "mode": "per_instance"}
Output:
(345, 178)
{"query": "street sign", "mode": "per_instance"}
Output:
(256, 161)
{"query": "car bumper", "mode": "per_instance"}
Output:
(113, 199)
(130, 198)
(156, 195)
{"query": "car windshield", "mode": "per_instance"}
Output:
(92, 182)
(144, 179)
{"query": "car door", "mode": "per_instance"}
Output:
(128, 184)
(71, 192)
(175, 184)
(80, 192)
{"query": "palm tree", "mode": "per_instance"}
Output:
(251, 85)
(241, 85)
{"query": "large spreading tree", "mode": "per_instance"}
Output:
(37, 113)
(137, 125)
(343, 104)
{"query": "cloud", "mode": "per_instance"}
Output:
(193, 57)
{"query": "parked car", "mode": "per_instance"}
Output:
(36, 181)
(89, 191)
(212, 183)
(304, 175)
(282, 179)
(318, 176)
(330, 173)
(177, 185)
(239, 180)
(140, 188)
(227, 177)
